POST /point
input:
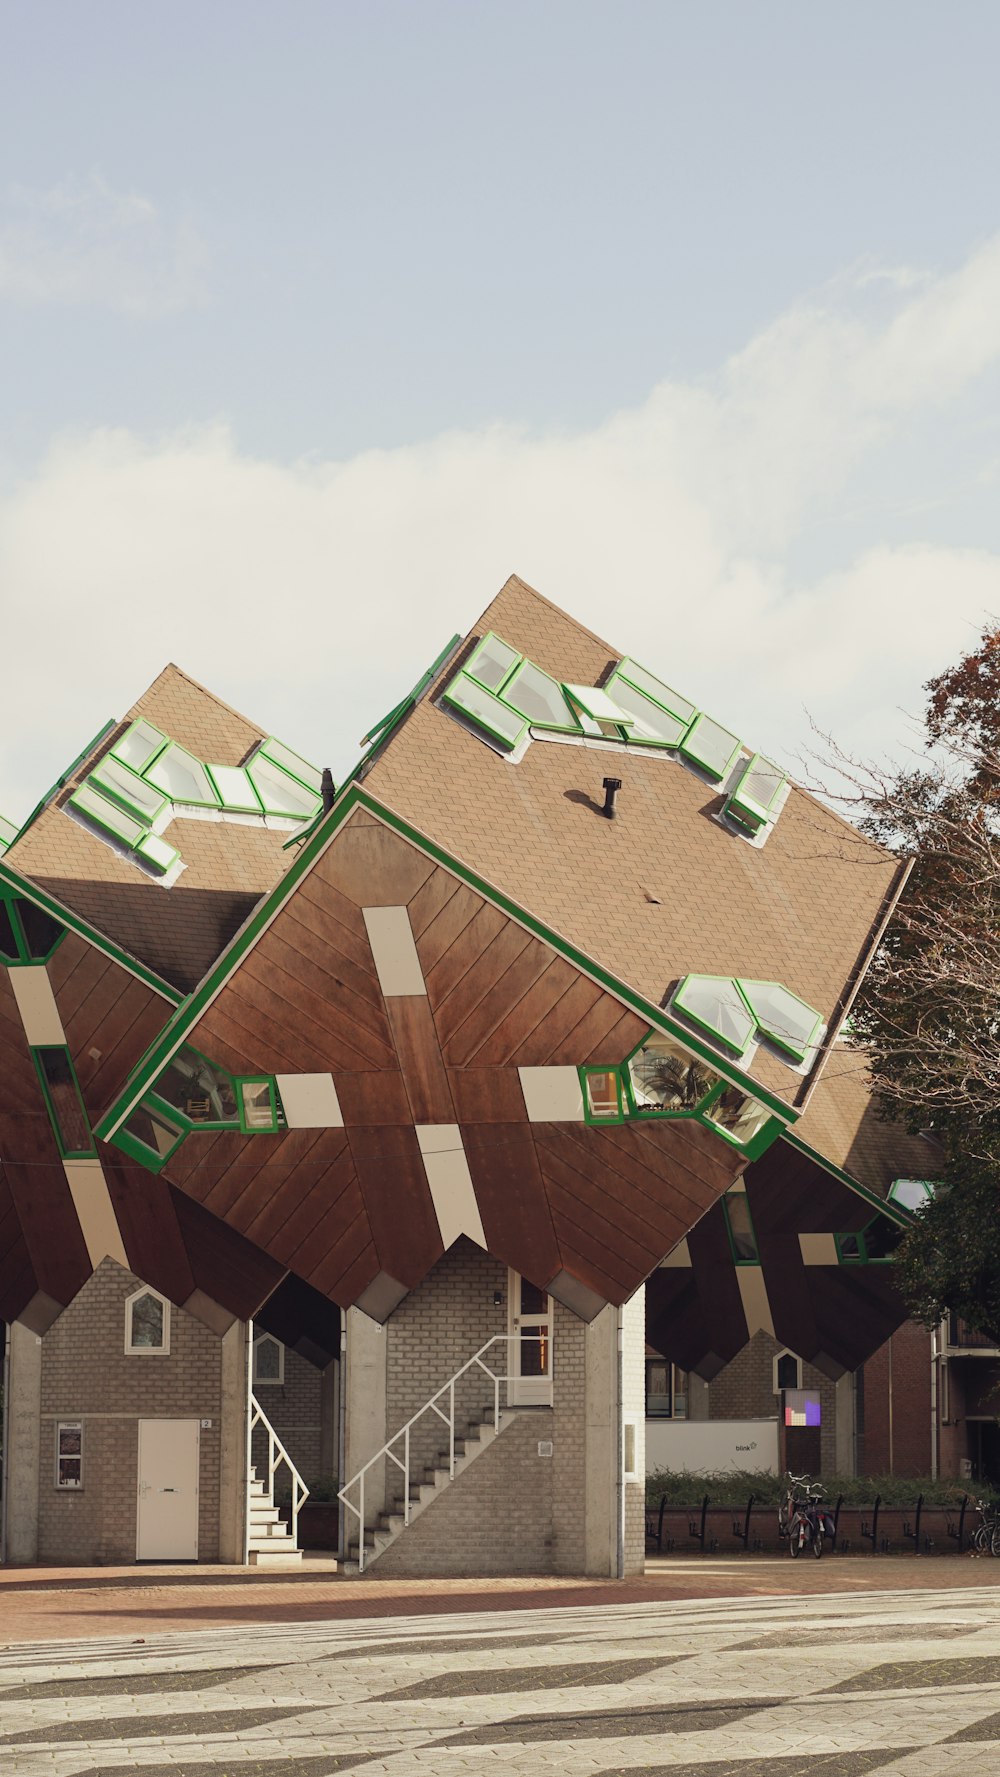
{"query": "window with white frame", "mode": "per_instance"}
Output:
(69, 1454)
(787, 1371)
(268, 1360)
(147, 1324)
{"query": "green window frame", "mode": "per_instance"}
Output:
(488, 711)
(97, 809)
(705, 745)
(8, 833)
(131, 1139)
(157, 774)
(751, 1130)
(64, 1101)
(309, 776)
(769, 1024)
(664, 696)
(248, 1112)
(603, 1086)
(598, 707)
(740, 1228)
(28, 934)
(280, 794)
(219, 1079)
(741, 1013)
(118, 783)
(860, 1248)
(491, 679)
(139, 746)
(511, 692)
(234, 788)
(750, 810)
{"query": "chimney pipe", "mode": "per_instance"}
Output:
(327, 789)
(612, 785)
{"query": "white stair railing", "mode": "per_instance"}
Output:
(276, 1455)
(445, 1413)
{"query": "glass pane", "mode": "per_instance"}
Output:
(656, 689)
(235, 788)
(70, 1440)
(492, 662)
(281, 755)
(116, 781)
(41, 931)
(782, 1016)
(666, 1077)
(788, 1371)
(152, 1130)
(266, 1361)
(711, 745)
(649, 722)
(107, 815)
(602, 1093)
(850, 1246)
(485, 709)
(715, 1003)
(740, 1226)
(258, 1108)
(735, 1111)
(534, 1353)
(279, 793)
(658, 1400)
(8, 942)
(57, 1069)
(680, 1394)
(912, 1193)
(69, 1471)
(538, 697)
(533, 1300)
(182, 777)
(147, 1323)
(882, 1238)
(158, 852)
(204, 1093)
(760, 784)
(139, 745)
(8, 832)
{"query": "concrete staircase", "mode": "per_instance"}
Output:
(425, 1488)
(269, 1540)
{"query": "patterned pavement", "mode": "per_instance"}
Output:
(904, 1683)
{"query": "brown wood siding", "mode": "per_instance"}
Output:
(397, 1197)
(512, 1201)
(17, 1070)
(17, 1277)
(109, 1017)
(38, 1186)
(147, 1221)
(228, 1268)
(424, 1075)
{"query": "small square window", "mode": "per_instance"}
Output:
(69, 1455)
(268, 1360)
(603, 1089)
(257, 1104)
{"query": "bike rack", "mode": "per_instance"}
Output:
(742, 1532)
(913, 1530)
(871, 1530)
(693, 1529)
(961, 1522)
(659, 1525)
(836, 1521)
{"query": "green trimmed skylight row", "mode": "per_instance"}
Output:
(193, 1095)
(662, 1079)
(504, 694)
(733, 1012)
(146, 779)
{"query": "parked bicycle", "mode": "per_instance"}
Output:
(985, 1539)
(803, 1518)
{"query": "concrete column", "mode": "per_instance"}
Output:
(698, 1397)
(22, 1465)
(328, 1405)
(365, 1398)
(233, 1443)
(601, 1445)
(634, 1417)
(846, 1455)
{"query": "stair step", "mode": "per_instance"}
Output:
(287, 1557)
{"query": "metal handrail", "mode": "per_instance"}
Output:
(276, 1455)
(448, 1418)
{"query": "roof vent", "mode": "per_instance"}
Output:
(612, 785)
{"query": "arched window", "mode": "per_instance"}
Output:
(787, 1371)
(268, 1360)
(147, 1324)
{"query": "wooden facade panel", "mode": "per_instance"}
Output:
(64, 959)
(322, 992)
(398, 1201)
(231, 1270)
(306, 928)
(37, 1183)
(348, 1268)
(487, 1095)
(578, 1166)
(432, 898)
(419, 1053)
(244, 1038)
(289, 999)
(105, 1054)
(477, 982)
(513, 1038)
(503, 1007)
(72, 993)
(441, 977)
(333, 918)
(373, 1099)
(448, 924)
(372, 866)
(594, 1028)
(721, 1305)
(238, 1158)
(147, 1220)
(585, 1252)
(281, 1157)
(674, 1176)
(17, 1070)
(315, 1221)
(619, 1042)
(555, 1025)
(510, 1192)
(17, 1278)
(314, 1165)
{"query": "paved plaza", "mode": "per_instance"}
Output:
(831, 1684)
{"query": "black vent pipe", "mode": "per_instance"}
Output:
(612, 785)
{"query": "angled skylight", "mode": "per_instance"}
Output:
(159, 854)
(654, 689)
(611, 720)
(491, 662)
(651, 725)
(279, 754)
(711, 746)
(538, 697)
(234, 789)
(132, 793)
(139, 745)
(666, 1077)
(199, 1088)
(753, 800)
(182, 777)
(107, 815)
(738, 1114)
(782, 1016)
(503, 723)
(715, 1003)
(911, 1193)
(280, 794)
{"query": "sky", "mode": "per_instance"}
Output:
(317, 320)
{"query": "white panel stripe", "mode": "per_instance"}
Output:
(818, 1249)
(452, 1191)
(552, 1094)
(753, 1294)
(396, 961)
(37, 1006)
(310, 1101)
(96, 1212)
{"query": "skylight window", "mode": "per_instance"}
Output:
(149, 1136)
(654, 689)
(753, 800)
(257, 1104)
(711, 746)
(738, 1114)
(280, 794)
(782, 1016)
(308, 775)
(650, 725)
(538, 697)
(132, 793)
(182, 777)
(197, 1087)
(715, 1004)
(234, 789)
(911, 1193)
(611, 719)
(491, 662)
(158, 853)
(666, 1077)
(506, 726)
(107, 815)
(139, 745)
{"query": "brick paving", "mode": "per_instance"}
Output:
(747, 1670)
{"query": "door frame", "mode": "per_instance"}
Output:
(527, 1391)
(176, 1420)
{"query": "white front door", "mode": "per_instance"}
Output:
(168, 1490)
(530, 1366)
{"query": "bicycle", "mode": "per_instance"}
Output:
(985, 1539)
(803, 1519)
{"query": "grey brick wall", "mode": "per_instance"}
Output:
(294, 1408)
(87, 1376)
(745, 1390)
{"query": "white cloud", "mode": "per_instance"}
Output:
(313, 594)
(82, 242)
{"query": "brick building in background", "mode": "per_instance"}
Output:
(320, 1103)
